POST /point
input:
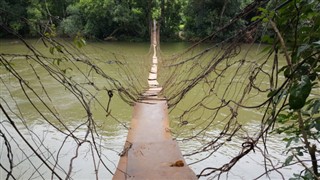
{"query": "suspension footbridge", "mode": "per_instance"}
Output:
(149, 151)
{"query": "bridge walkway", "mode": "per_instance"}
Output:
(149, 151)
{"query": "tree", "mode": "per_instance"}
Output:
(10, 16)
(108, 19)
(74, 22)
(296, 103)
(170, 18)
(204, 17)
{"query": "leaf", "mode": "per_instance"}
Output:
(272, 93)
(255, 18)
(58, 61)
(288, 160)
(267, 39)
(315, 107)
(83, 41)
(283, 68)
(51, 50)
(289, 140)
(299, 93)
(308, 174)
(265, 20)
(302, 49)
(304, 69)
(263, 10)
(59, 49)
(66, 70)
(282, 118)
(313, 76)
(79, 41)
(287, 72)
(317, 125)
(300, 153)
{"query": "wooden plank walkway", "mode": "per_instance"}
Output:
(149, 151)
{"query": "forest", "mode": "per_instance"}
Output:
(121, 19)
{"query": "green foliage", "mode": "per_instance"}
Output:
(79, 41)
(297, 24)
(10, 13)
(36, 16)
(127, 19)
(171, 15)
(73, 23)
(205, 17)
(105, 18)
(299, 93)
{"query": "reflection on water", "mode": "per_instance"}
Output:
(109, 134)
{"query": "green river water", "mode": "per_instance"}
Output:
(113, 134)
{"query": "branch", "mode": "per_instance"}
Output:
(283, 45)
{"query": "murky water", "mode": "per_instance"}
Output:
(112, 134)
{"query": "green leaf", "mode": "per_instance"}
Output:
(287, 72)
(272, 93)
(267, 39)
(315, 107)
(289, 140)
(263, 10)
(282, 118)
(255, 18)
(51, 50)
(59, 49)
(57, 61)
(288, 160)
(313, 76)
(79, 41)
(302, 49)
(317, 125)
(308, 175)
(265, 20)
(299, 93)
(283, 69)
(304, 69)
(66, 70)
(83, 41)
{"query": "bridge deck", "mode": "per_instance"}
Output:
(150, 152)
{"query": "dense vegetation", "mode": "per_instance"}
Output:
(296, 103)
(115, 19)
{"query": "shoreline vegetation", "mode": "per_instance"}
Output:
(108, 20)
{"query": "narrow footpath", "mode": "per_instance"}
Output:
(149, 151)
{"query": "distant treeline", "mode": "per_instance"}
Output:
(119, 19)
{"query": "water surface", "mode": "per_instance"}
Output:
(111, 132)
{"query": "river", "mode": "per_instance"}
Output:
(111, 134)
